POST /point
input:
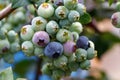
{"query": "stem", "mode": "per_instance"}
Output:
(38, 71)
(6, 11)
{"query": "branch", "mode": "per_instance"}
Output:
(6, 11)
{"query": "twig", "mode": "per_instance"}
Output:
(6, 11)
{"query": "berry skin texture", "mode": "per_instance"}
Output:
(81, 8)
(81, 54)
(85, 64)
(69, 48)
(52, 27)
(53, 50)
(90, 53)
(26, 32)
(73, 16)
(64, 22)
(70, 4)
(38, 23)
(61, 12)
(4, 46)
(61, 62)
(76, 27)
(82, 42)
(116, 19)
(63, 35)
(45, 10)
(39, 52)
(12, 35)
(41, 38)
(73, 66)
(14, 47)
(27, 48)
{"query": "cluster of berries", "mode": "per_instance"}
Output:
(54, 37)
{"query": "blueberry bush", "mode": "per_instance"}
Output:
(51, 31)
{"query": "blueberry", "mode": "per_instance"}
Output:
(26, 32)
(70, 4)
(81, 8)
(116, 19)
(69, 48)
(64, 22)
(63, 35)
(12, 35)
(45, 10)
(75, 36)
(4, 46)
(41, 38)
(72, 58)
(85, 65)
(14, 47)
(73, 16)
(61, 62)
(91, 44)
(52, 27)
(81, 54)
(82, 42)
(76, 27)
(27, 48)
(73, 66)
(61, 12)
(39, 52)
(91, 53)
(38, 23)
(53, 50)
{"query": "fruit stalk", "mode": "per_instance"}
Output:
(6, 11)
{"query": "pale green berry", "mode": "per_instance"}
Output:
(63, 35)
(81, 8)
(45, 10)
(39, 51)
(2, 34)
(61, 62)
(52, 27)
(81, 54)
(7, 26)
(91, 53)
(73, 66)
(57, 74)
(38, 23)
(26, 32)
(27, 48)
(64, 22)
(12, 35)
(76, 27)
(46, 69)
(85, 65)
(4, 46)
(9, 58)
(72, 58)
(91, 44)
(14, 47)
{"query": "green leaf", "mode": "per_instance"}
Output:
(110, 2)
(19, 3)
(6, 74)
(85, 18)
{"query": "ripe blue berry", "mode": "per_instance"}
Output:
(69, 48)
(41, 38)
(45, 10)
(38, 23)
(27, 48)
(73, 16)
(52, 27)
(82, 42)
(76, 27)
(70, 4)
(81, 54)
(61, 12)
(26, 32)
(63, 35)
(53, 50)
